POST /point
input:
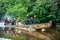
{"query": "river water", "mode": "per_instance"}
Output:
(4, 39)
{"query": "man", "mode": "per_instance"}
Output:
(14, 22)
(6, 21)
(30, 21)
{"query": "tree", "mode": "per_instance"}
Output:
(6, 4)
(44, 9)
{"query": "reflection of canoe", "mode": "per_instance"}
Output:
(37, 34)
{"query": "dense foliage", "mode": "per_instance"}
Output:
(43, 9)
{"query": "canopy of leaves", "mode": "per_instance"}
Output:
(43, 9)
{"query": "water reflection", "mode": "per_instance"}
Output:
(41, 35)
(45, 36)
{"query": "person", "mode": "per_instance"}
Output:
(23, 22)
(6, 21)
(14, 21)
(19, 23)
(30, 21)
(18, 19)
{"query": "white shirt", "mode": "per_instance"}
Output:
(19, 23)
